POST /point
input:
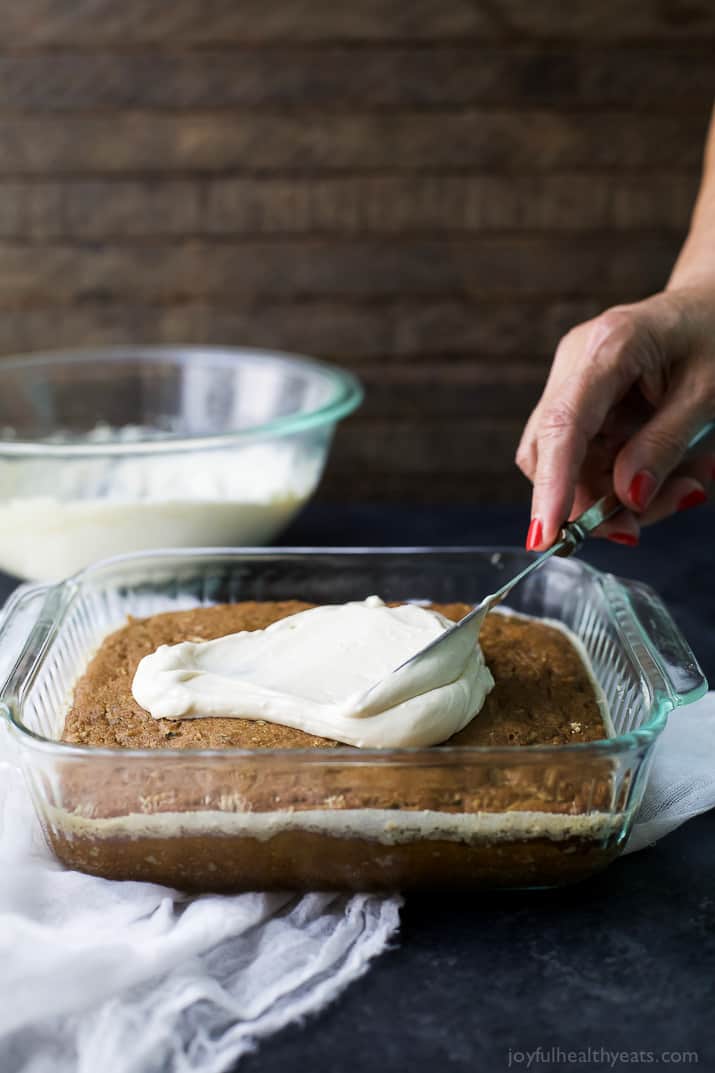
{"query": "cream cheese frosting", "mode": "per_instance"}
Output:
(57, 519)
(327, 671)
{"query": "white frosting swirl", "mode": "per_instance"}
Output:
(313, 671)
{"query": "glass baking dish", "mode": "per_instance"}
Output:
(445, 817)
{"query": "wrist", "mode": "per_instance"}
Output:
(694, 304)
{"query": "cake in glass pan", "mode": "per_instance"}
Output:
(524, 767)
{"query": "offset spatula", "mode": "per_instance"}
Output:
(464, 634)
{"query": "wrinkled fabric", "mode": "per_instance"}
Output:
(134, 977)
(682, 780)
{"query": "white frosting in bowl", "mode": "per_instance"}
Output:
(57, 517)
(313, 672)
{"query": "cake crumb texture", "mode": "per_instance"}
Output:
(543, 693)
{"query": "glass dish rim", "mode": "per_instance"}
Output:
(347, 395)
(63, 593)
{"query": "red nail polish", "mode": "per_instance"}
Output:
(533, 537)
(624, 538)
(692, 499)
(642, 488)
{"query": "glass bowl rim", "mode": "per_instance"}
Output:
(347, 394)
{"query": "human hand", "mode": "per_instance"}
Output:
(626, 393)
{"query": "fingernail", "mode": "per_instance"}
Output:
(624, 538)
(642, 488)
(533, 537)
(692, 499)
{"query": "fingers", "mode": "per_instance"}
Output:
(594, 367)
(653, 350)
(682, 490)
(623, 529)
(675, 494)
(686, 488)
(653, 453)
(526, 452)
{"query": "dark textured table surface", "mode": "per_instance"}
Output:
(622, 963)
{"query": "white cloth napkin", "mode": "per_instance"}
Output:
(132, 977)
(682, 779)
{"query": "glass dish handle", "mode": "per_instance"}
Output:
(17, 619)
(684, 678)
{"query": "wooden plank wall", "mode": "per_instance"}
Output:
(428, 191)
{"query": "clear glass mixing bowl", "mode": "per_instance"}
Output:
(124, 449)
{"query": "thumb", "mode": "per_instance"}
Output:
(657, 448)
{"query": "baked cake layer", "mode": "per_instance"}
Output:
(543, 694)
(332, 822)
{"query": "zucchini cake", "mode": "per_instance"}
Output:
(444, 816)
